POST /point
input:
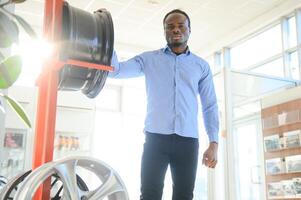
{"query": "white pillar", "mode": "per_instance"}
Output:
(230, 176)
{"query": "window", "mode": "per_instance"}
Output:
(109, 98)
(292, 33)
(294, 65)
(248, 161)
(257, 48)
(274, 68)
(215, 62)
(247, 109)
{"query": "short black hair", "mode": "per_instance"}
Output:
(177, 11)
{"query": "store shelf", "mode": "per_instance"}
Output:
(288, 118)
(280, 129)
(282, 153)
(282, 176)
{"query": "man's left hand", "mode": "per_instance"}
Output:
(210, 155)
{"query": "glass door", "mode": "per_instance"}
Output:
(249, 160)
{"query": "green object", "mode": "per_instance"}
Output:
(17, 1)
(9, 31)
(18, 108)
(10, 69)
(11, 1)
(28, 29)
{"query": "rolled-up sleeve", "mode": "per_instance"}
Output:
(127, 69)
(209, 104)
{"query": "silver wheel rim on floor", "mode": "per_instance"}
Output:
(112, 186)
(5, 193)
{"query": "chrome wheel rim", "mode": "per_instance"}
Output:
(112, 187)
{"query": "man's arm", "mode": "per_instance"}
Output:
(127, 69)
(210, 115)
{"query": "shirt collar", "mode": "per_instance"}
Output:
(167, 49)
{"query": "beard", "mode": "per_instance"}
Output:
(175, 44)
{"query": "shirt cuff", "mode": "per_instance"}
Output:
(115, 65)
(213, 137)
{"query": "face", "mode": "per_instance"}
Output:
(176, 30)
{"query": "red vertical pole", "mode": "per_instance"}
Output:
(47, 97)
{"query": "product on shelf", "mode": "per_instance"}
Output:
(13, 140)
(282, 141)
(270, 122)
(288, 117)
(272, 143)
(297, 186)
(288, 188)
(293, 163)
(67, 143)
(275, 190)
(282, 118)
(292, 139)
(292, 116)
(275, 166)
(75, 143)
(60, 142)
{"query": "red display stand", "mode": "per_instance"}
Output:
(47, 98)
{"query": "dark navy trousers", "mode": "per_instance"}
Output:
(180, 153)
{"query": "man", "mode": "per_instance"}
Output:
(174, 77)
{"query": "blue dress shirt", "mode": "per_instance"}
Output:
(173, 83)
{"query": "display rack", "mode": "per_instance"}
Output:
(13, 152)
(48, 84)
(281, 127)
(73, 140)
(72, 108)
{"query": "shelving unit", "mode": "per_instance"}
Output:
(16, 141)
(75, 120)
(74, 126)
(13, 152)
(278, 120)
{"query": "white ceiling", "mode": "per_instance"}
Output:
(138, 23)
